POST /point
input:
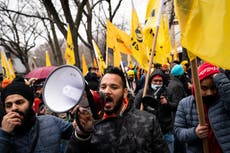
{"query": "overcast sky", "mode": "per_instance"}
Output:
(125, 10)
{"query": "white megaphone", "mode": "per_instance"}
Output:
(64, 88)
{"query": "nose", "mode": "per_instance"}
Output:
(107, 90)
(14, 107)
(209, 92)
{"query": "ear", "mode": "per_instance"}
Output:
(126, 92)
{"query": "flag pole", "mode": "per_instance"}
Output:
(152, 52)
(97, 56)
(126, 78)
(199, 101)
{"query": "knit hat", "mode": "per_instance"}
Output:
(177, 70)
(207, 69)
(18, 88)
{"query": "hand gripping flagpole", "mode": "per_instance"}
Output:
(199, 101)
(152, 51)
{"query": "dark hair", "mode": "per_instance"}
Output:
(117, 71)
(92, 68)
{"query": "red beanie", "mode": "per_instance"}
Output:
(207, 69)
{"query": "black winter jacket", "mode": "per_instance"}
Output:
(163, 112)
(134, 132)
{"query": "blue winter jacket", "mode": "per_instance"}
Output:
(219, 117)
(45, 135)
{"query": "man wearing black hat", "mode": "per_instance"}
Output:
(21, 131)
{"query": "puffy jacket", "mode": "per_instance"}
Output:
(49, 131)
(134, 132)
(219, 117)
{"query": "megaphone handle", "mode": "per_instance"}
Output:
(91, 102)
(79, 123)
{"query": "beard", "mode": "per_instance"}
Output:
(28, 121)
(116, 108)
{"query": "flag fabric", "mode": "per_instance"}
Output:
(48, 63)
(69, 53)
(117, 39)
(6, 70)
(100, 60)
(116, 58)
(205, 29)
(152, 10)
(11, 67)
(94, 62)
(139, 51)
(84, 65)
(163, 47)
(150, 23)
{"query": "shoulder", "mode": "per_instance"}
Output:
(187, 103)
(51, 120)
(142, 116)
(187, 100)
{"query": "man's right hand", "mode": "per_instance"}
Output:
(10, 120)
(202, 131)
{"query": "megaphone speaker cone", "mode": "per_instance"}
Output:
(63, 88)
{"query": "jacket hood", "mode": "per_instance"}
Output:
(156, 72)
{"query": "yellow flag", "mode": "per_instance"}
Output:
(205, 29)
(163, 47)
(69, 53)
(116, 38)
(116, 58)
(94, 62)
(11, 67)
(152, 10)
(139, 51)
(100, 60)
(84, 65)
(48, 63)
(150, 22)
(6, 70)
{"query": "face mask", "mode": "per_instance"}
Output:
(155, 86)
(209, 99)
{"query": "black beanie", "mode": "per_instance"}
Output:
(18, 88)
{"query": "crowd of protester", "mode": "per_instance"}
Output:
(163, 120)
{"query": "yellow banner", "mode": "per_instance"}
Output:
(205, 29)
(84, 65)
(139, 50)
(69, 53)
(48, 63)
(7, 71)
(100, 60)
(117, 39)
